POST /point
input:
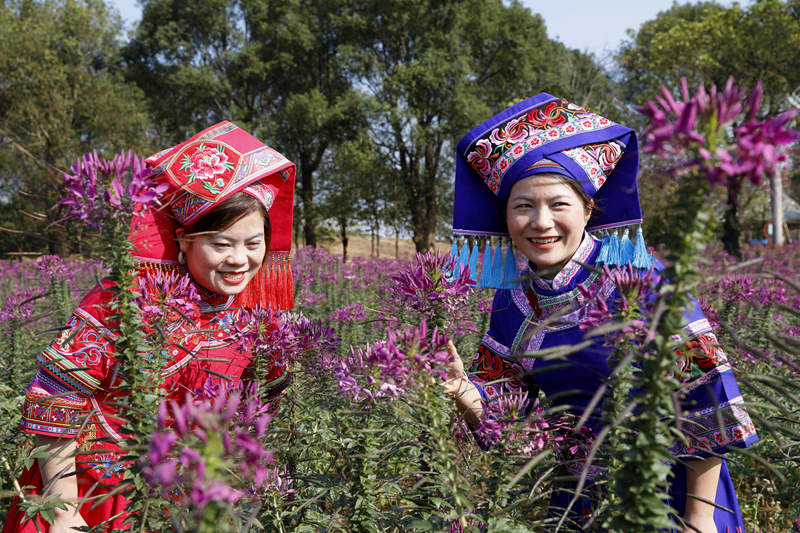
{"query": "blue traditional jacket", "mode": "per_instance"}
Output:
(541, 314)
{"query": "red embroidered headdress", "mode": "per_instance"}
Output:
(206, 170)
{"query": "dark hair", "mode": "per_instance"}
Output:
(227, 213)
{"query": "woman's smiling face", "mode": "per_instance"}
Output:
(225, 261)
(546, 220)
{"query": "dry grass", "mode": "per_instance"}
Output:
(360, 245)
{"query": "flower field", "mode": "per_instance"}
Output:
(364, 439)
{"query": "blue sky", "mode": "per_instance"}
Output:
(596, 26)
(588, 25)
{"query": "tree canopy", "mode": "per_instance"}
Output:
(61, 94)
(708, 43)
(380, 90)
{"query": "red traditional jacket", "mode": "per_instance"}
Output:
(73, 393)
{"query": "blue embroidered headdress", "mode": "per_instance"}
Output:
(545, 134)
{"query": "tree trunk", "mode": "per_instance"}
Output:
(421, 228)
(296, 227)
(343, 236)
(309, 227)
(777, 209)
(307, 196)
(732, 227)
(396, 243)
(57, 238)
(377, 229)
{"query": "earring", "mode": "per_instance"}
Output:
(181, 258)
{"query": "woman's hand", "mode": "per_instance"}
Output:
(703, 524)
(456, 377)
(461, 389)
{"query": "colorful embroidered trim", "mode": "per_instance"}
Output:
(495, 346)
(576, 262)
(509, 158)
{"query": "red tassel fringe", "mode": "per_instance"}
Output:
(272, 286)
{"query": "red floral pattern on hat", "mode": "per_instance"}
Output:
(514, 131)
(554, 114)
(208, 164)
(479, 158)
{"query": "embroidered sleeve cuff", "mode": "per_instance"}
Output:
(714, 418)
(55, 416)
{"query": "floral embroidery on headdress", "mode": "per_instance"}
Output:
(545, 134)
(208, 164)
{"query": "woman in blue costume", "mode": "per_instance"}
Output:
(545, 173)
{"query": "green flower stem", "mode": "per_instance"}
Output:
(639, 459)
(139, 356)
(452, 484)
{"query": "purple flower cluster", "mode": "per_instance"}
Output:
(168, 296)
(523, 428)
(512, 421)
(429, 288)
(395, 366)
(278, 482)
(52, 266)
(635, 292)
(349, 313)
(473, 524)
(18, 306)
(748, 296)
(22, 281)
(719, 132)
(318, 275)
(288, 336)
(98, 188)
(203, 439)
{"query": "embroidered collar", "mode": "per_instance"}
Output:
(539, 298)
(210, 301)
(571, 269)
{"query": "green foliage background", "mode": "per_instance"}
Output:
(403, 81)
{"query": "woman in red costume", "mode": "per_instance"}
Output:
(225, 222)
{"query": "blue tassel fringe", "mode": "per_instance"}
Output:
(473, 262)
(602, 257)
(497, 267)
(613, 250)
(626, 248)
(641, 259)
(454, 255)
(463, 259)
(486, 268)
(509, 270)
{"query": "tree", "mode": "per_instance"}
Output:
(342, 178)
(272, 66)
(708, 43)
(438, 68)
(61, 93)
